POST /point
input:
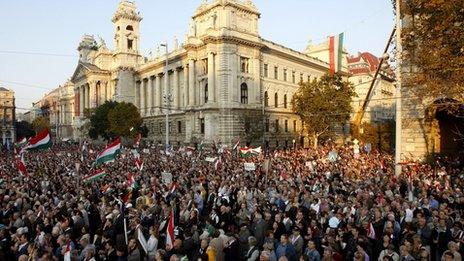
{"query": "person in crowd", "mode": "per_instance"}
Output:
(300, 206)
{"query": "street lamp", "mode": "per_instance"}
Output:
(293, 144)
(167, 97)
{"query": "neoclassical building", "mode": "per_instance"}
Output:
(223, 69)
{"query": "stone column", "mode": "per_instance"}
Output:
(137, 94)
(184, 95)
(191, 83)
(87, 96)
(158, 94)
(149, 96)
(93, 94)
(81, 101)
(211, 77)
(143, 96)
(175, 88)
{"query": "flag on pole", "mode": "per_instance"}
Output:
(282, 174)
(247, 152)
(67, 251)
(131, 181)
(237, 143)
(137, 139)
(98, 174)
(109, 153)
(40, 142)
(21, 166)
(217, 164)
(170, 229)
(22, 142)
(371, 231)
(335, 53)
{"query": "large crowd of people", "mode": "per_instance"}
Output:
(328, 203)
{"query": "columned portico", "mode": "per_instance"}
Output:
(191, 82)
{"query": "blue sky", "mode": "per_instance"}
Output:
(56, 26)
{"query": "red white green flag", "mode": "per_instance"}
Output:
(170, 237)
(247, 152)
(98, 174)
(335, 53)
(40, 142)
(21, 166)
(110, 152)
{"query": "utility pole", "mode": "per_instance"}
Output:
(167, 97)
(398, 123)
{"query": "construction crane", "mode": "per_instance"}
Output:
(360, 113)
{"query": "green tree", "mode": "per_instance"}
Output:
(323, 103)
(99, 124)
(24, 130)
(433, 52)
(124, 120)
(379, 135)
(253, 126)
(40, 123)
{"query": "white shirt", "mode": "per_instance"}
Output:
(152, 245)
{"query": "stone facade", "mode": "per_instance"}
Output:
(7, 117)
(222, 69)
(66, 110)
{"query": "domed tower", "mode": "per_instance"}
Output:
(126, 22)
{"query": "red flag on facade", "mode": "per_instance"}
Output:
(170, 229)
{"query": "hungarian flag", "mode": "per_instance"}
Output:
(217, 164)
(98, 174)
(170, 229)
(237, 143)
(371, 231)
(22, 142)
(173, 187)
(40, 142)
(110, 152)
(335, 53)
(139, 163)
(67, 251)
(131, 181)
(283, 175)
(247, 152)
(137, 139)
(21, 166)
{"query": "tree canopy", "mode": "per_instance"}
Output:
(40, 123)
(99, 124)
(124, 120)
(433, 47)
(323, 103)
(113, 119)
(24, 130)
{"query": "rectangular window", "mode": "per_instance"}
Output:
(293, 77)
(301, 77)
(161, 127)
(266, 70)
(267, 125)
(244, 93)
(294, 126)
(277, 126)
(179, 127)
(286, 125)
(129, 44)
(285, 74)
(244, 64)
(276, 72)
(309, 78)
(202, 126)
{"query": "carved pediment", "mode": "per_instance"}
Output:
(83, 69)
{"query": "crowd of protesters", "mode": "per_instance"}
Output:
(296, 205)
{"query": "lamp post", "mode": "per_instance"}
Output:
(294, 147)
(167, 97)
(398, 114)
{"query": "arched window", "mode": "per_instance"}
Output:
(244, 93)
(266, 99)
(206, 93)
(276, 100)
(285, 101)
(130, 28)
